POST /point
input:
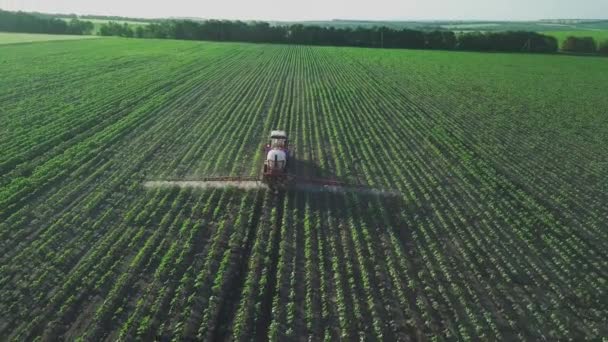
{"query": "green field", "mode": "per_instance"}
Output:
(599, 35)
(12, 38)
(498, 231)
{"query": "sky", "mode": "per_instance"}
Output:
(293, 10)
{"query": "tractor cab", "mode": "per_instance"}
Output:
(278, 139)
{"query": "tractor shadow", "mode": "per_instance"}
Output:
(306, 169)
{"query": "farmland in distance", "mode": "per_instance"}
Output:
(599, 36)
(12, 38)
(498, 232)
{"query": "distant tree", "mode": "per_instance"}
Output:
(263, 32)
(542, 43)
(116, 29)
(224, 30)
(139, 32)
(32, 23)
(76, 26)
(580, 45)
(603, 49)
(106, 29)
(473, 41)
(532, 42)
(510, 41)
(156, 30)
(405, 39)
(445, 40)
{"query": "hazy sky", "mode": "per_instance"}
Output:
(324, 9)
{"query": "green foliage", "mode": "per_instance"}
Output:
(376, 37)
(516, 41)
(32, 23)
(580, 44)
(603, 48)
(116, 29)
(76, 26)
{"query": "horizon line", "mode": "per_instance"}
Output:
(311, 20)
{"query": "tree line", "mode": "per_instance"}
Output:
(263, 32)
(375, 37)
(584, 45)
(33, 23)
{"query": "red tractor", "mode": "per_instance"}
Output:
(276, 161)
